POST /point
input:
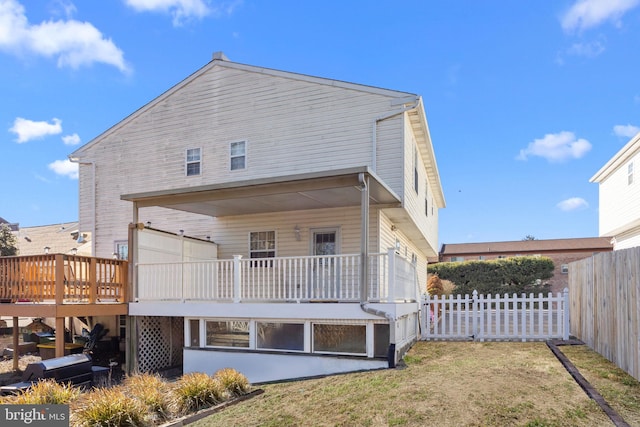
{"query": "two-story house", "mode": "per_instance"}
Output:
(619, 196)
(275, 222)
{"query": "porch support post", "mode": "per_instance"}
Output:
(16, 350)
(391, 292)
(59, 336)
(364, 236)
(236, 278)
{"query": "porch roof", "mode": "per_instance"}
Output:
(312, 190)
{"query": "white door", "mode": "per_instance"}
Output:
(326, 268)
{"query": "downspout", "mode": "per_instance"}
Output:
(374, 142)
(364, 270)
(93, 201)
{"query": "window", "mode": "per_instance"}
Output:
(228, 334)
(426, 197)
(194, 332)
(193, 161)
(630, 173)
(238, 155)
(280, 336)
(121, 249)
(564, 269)
(481, 257)
(262, 244)
(350, 339)
(457, 258)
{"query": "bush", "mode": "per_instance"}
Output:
(232, 381)
(153, 392)
(195, 391)
(434, 285)
(108, 407)
(47, 391)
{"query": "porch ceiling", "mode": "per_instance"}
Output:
(326, 189)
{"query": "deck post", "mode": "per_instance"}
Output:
(93, 281)
(391, 254)
(59, 276)
(16, 349)
(565, 314)
(236, 278)
(59, 336)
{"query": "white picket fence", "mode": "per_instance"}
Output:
(496, 318)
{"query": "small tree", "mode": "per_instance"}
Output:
(8, 241)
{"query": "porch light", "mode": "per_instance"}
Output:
(180, 232)
(46, 249)
(296, 230)
(208, 238)
(114, 255)
(74, 251)
(148, 223)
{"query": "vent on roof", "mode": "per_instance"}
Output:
(220, 56)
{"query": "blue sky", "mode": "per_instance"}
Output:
(525, 100)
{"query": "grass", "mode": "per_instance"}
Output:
(446, 384)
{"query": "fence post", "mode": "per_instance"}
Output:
(565, 314)
(474, 308)
(236, 278)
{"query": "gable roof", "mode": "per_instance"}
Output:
(630, 149)
(529, 246)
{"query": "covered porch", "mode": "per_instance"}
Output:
(61, 286)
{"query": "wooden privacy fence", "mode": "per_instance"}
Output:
(605, 301)
(496, 318)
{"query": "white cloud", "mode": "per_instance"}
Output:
(590, 50)
(585, 14)
(71, 139)
(28, 130)
(72, 42)
(65, 168)
(572, 204)
(628, 131)
(556, 147)
(181, 10)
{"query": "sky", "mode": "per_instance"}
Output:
(525, 101)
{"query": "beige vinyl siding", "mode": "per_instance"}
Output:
(285, 123)
(232, 233)
(407, 248)
(619, 201)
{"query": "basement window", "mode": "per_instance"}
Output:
(345, 339)
(280, 336)
(228, 333)
(192, 161)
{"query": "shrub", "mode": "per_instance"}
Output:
(153, 392)
(233, 381)
(108, 407)
(47, 391)
(434, 285)
(195, 391)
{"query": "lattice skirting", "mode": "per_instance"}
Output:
(159, 342)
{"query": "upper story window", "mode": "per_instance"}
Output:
(630, 173)
(426, 197)
(192, 161)
(238, 155)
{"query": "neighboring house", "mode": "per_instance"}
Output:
(561, 251)
(13, 226)
(280, 223)
(61, 238)
(619, 202)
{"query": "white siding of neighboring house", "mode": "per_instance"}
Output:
(619, 202)
(286, 122)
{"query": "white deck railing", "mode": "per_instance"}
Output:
(282, 279)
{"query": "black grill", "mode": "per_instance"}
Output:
(74, 368)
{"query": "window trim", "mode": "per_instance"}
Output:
(274, 251)
(187, 162)
(630, 173)
(232, 156)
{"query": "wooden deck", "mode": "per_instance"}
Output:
(57, 285)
